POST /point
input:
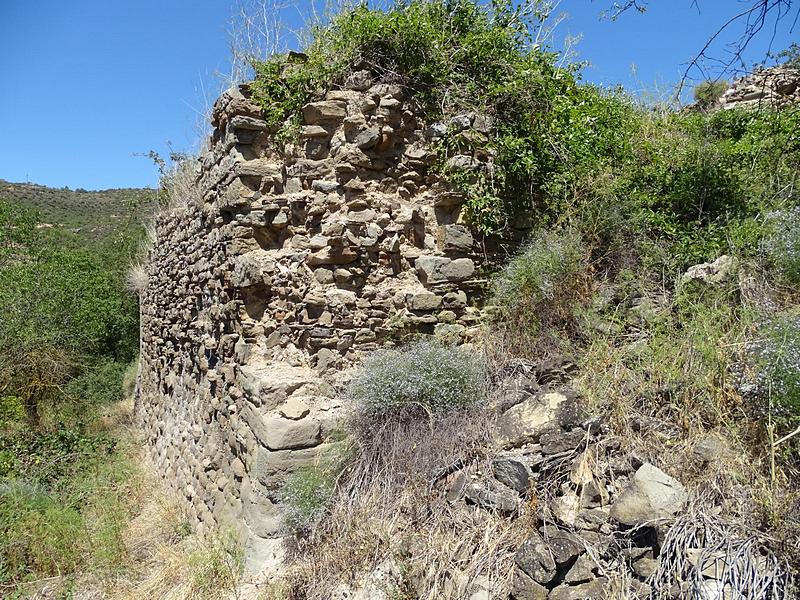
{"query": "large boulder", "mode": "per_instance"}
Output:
(652, 495)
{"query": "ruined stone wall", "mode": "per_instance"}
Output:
(776, 87)
(283, 263)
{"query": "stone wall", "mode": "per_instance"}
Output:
(775, 88)
(281, 265)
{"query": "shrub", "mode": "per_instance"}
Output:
(537, 292)
(777, 357)
(781, 246)
(423, 378)
(706, 93)
(305, 494)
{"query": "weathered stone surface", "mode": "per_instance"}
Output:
(317, 112)
(526, 421)
(594, 590)
(294, 408)
(536, 560)
(492, 495)
(556, 442)
(454, 238)
(523, 587)
(513, 473)
(437, 269)
(582, 571)
(652, 495)
(332, 256)
(425, 301)
(719, 271)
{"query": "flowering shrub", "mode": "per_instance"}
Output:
(305, 494)
(424, 377)
(782, 246)
(777, 358)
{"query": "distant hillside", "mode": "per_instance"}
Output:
(88, 214)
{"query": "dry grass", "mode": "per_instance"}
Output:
(136, 278)
(390, 512)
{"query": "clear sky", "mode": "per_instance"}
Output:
(88, 84)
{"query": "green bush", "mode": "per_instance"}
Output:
(778, 363)
(537, 292)
(424, 378)
(781, 245)
(706, 93)
(305, 494)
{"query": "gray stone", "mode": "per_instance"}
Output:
(645, 567)
(317, 112)
(652, 495)
(708, 448)
(331, 256)
(278, 433)
(368, 138)
(594, 590)
(536, 560)
(523, 587)
(492, 495)
(719, 271)
(582, 571)
(513, 473)
(437, 269)
(563, 545)
(556, 442)
(454, 238)
(425, 301)
(526, 421)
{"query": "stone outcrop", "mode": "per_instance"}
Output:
(775, 87)
(285, 261)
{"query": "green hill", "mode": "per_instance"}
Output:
(91, 215)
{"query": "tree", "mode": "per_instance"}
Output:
(61, 309)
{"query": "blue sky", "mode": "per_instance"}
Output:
(88, 84)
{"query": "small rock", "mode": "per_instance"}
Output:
(437, 269)
(581, 571)
(594, 590)
(645, 567)
(535, 559)
(652, 495)
(708, 449)
(513, 473)
(492, 495)
(719, 271)
(425, 301)
(368, 138)
(294, 409)
(528, 420)
(523, 587)
(556, 442)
